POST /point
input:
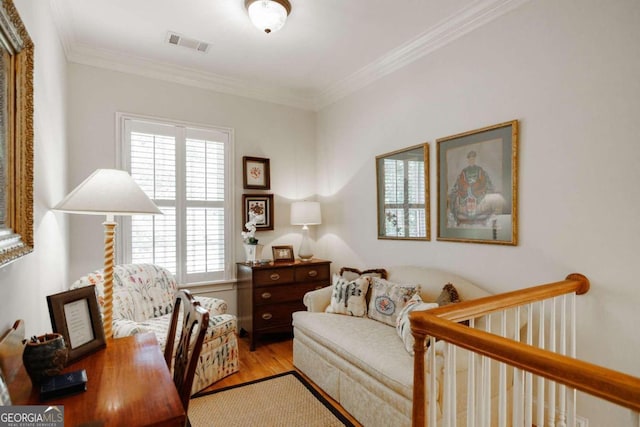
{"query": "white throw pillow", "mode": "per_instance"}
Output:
(387, 299)
(348, 297)
(403, 325)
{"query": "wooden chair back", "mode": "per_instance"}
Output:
(195, 320)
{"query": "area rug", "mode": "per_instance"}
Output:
(281, 400)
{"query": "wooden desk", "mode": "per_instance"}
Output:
(128, 384)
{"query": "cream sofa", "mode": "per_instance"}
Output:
(362, 363)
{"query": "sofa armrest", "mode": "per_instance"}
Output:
(318, 300)
(214, 306)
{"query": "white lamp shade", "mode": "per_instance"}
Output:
(267, 15)
(305, 213)
(108, 192)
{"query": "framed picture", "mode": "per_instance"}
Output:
(16, 136)
(403, 194)
(477, 185)
(75, 314)
(282, 253)
(259, 204)
(255, 173)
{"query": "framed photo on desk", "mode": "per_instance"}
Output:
(75, 314)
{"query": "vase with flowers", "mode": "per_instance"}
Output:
(252, 249)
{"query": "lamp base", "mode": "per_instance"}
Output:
(305, 253)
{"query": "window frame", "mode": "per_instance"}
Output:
(123, 160)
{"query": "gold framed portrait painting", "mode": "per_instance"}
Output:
(477, 185)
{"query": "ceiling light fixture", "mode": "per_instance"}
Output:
(268, 15)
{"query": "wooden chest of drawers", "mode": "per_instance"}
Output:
(269, 293)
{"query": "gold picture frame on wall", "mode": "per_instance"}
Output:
(403, 194)
(478, 185)
(16, 136)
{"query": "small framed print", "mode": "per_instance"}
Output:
(255, 173)
(282, 253)
(75, 314)
(262, 206)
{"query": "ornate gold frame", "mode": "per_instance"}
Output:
(16, 132)
(501, 227)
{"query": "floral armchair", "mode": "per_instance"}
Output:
(143, 298)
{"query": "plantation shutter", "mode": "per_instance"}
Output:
(184, 171)
(205, 203)
(404, 197)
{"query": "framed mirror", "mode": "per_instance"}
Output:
(16, 136)
(403, 194)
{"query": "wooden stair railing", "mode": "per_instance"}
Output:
(441, 323)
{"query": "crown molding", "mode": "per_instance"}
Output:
(190, 77)
(466, 20)
(63, 25)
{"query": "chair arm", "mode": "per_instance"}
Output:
(214, 306)
(126, 327)
(318, 300)
(221, 325)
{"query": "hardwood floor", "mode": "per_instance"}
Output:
(272, 356)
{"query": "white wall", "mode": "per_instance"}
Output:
(25, 283)
(569, 72)
(284, 135)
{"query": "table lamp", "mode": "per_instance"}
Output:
(108, 192)
(305, 214)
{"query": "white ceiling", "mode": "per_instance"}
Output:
(326, 50)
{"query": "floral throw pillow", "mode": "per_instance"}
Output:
(403, 326)
(348, 297)
(449, 295)
(388, 299)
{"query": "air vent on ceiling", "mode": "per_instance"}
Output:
(193, 44)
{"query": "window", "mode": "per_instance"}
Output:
(402, 194)
(185, 170)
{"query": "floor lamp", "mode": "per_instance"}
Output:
(108, 192)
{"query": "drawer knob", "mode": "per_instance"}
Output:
(266, 295)
(267, 316)
(274, 276)
(313, 273)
